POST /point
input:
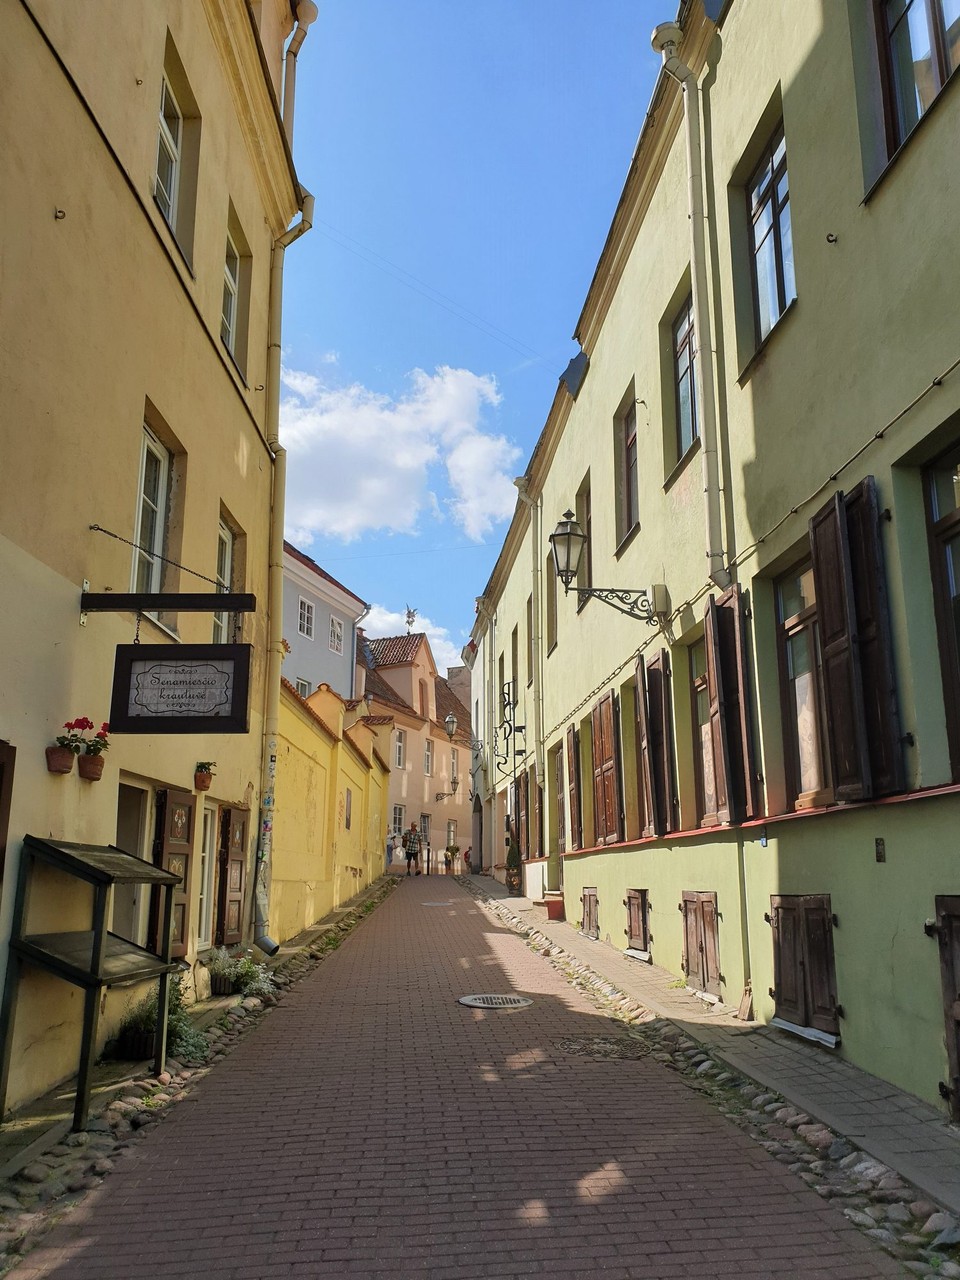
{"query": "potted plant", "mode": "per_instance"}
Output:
(69, 744)
(90, 761)
(221, 966)
(514, 877)
(185, 1042)
(203, 774)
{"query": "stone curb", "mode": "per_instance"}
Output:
(55, 1179)
(896, 1216)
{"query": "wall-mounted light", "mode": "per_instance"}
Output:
(567, 543)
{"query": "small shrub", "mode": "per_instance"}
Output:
(184, 1041)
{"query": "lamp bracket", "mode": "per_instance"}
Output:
(634, 603)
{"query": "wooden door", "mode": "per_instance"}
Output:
(701, 941)
(804, 966)
(179, 818)
(590, 923)
(948, 933)
(232, 867)
(636, 930)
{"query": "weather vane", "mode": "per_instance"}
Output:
(411, 618)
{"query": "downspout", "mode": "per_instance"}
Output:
(307, 14)
(271, 719)
(489, 617)
(533, 504)
(666, 40)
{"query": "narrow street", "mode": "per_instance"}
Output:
(372, 1126)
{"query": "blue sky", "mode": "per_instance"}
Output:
(466, 157)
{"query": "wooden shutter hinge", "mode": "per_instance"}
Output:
(771, 991)
(768, 917)
(908, 740)
(835, 921)
(838, 1010)
(934, 930)
(887, 514)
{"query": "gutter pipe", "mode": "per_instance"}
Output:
(490, 618)
(307, 14)
(666, 40)
(533, 505)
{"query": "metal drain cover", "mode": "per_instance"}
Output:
(604, 1047)
(495, 1002)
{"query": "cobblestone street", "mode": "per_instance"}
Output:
(372, 1126)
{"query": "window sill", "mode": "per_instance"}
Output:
(236, 364)
(807, 1033)
(552, 649)
(892, 160)
(625, 541)
(176, 243)
(171, 632)
(634, 954)
(681, 466)
(755, 359)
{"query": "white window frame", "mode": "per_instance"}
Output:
(428, 758)
(231, 297)
(151, 445)
(167, 201)
(208, 863)
(425, 828)
(454, 767)
(336, 634)
(451, 832)
(225, 543)
(303, 687)
(399, 819)
(305, 625)
(400, 749)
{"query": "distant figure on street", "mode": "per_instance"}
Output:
(447, 861)
(466, 859)
(411, 843)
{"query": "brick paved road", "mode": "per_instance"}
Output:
(371, 1126)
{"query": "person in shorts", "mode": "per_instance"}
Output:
(411, 845)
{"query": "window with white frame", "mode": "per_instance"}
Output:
(221, 621)
(169, 154)
(151, 517)
(208, 863)
(336, 634)
(303, 688)
(428, 757)
(306, 618)
(451, 832)
(231, 296)
(399, 819)
(400, 749)
(454, 767)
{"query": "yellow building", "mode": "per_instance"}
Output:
(330, 833)
(749, 765)
(146, 194)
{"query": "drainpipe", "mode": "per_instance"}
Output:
(666, 40)
(307, 14)
(489, 695)
(533, 504)
(271, 719)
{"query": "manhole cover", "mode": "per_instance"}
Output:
(495, 1002)
(604, 1047)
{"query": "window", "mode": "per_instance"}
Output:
(514, 660)
(451, 832)
(336, 634)
(208, 863)
(529, 639)
(304, 688)
(231, 295)
(942, 484)
(425, 828)
(560, 795)
(551, 579)
(454, 767)
(151, 518)
(655, 744)
(838, 684)
(771, 237)
(424, 700)
(573, 787)
(399, 819)
(638, 923)
(628, 499)
(169, 158)
(703, 738)
(804, 970)
(701, 941)
(585, 520)
(920, 50)
(590, 920)
(305, 625)
(607, 798)
(685, 378)
(221, 621)
(348, 809)
(428, 757)
(521, 807)
(400, 749)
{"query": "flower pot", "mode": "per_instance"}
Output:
(91, 767)
(135, 1046)
(221, 984)
(59, 760)
(201, 781)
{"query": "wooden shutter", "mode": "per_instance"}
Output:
(710, 937)
(691, 937)
(596, 756)
(636, 904)
(651, 823)
(718, 713)
(561, 801)
(873, 629)
(536, 835)
(606, 788)
(948, 935)
(732, 629)
(590, 922)
(616, 769)
(819, 964)
(660, 723)
(573, 785)
(520, 808)
(178, 823)
(840, 655)
(232, 867)
(786, 921)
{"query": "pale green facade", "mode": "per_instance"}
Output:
(855, 379)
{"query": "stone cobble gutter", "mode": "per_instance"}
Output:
(40, 1193)
(872, 1196)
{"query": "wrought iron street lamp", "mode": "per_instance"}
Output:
(567, 543)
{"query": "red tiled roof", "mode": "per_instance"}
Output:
(312, 565)
(391, 651)
(447, 702)
(378, 719)
(384, 692)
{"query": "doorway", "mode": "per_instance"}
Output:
(804, 967)
(232, 867)
(701, 943)
(130, 900)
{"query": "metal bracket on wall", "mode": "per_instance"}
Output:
(83, 613)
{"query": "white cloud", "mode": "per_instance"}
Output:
(381, 621)
(360, 461)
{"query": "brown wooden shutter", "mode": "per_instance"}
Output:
(606, 789)
(561, 801)
(661, 737)
(840, 655)
(536, 834)
(718, 712)
(596, 755)
(637, 919)
(232, 867)
(691, 937)
(520, 809)
(616, 770)
(179, 818)
(573, 786)
(820, 965)
(873, 629)
(651, 823)
(732, 625)
(709, 917)
(787, 953)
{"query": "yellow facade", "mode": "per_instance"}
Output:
(857, 377)
(113, 353)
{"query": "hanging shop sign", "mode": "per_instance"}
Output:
(186, 688)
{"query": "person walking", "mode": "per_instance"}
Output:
(411, 844)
